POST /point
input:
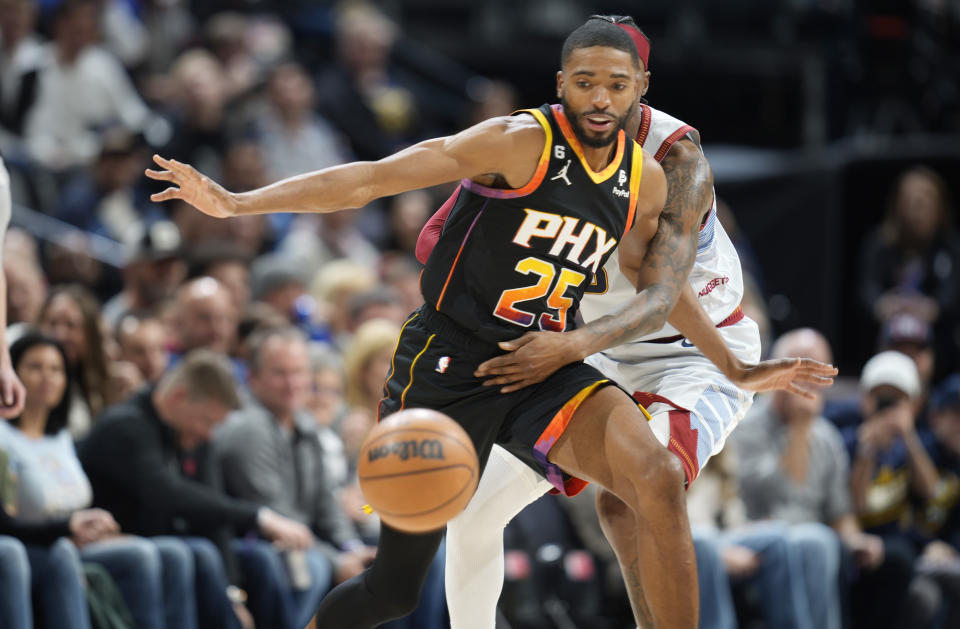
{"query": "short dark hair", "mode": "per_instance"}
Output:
(206, 375)
(57, 419)
(259, 338)
(599, 31)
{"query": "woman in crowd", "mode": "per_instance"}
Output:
(50, 491)
(71, 315)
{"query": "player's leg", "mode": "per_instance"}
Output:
(474, 563)
(388, 589)
(608, 442)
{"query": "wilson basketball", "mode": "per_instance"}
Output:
(418, 469)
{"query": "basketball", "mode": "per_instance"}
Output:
(418, 469)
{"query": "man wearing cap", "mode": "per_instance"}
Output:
(890, 468)
(151, 274)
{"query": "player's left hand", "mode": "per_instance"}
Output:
(529, 359)
(784, 374)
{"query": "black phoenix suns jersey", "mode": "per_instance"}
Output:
(511, 261)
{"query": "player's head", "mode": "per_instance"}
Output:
(600, 80)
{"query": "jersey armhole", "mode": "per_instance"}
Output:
(538, 174)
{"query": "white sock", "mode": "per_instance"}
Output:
(474, 567)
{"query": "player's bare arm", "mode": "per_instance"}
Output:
(787, 374)
(504, 150)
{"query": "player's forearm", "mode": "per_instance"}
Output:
(692, 322)
(339, 187)
(642, 315)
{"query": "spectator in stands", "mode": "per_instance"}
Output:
(408, 213)
(83, 90)
(152, 273)
(327, 404)
(908, 264)
(730, 555)
(199, 111)
(334, 285)
(911, 335)
(51, 486)
(71, 315)
(104, 198)
(380, 303)
(143, 342)
(368, 359)
(279, 283)
(21, 59)
(890, 468)
(269, 453)
(793, 469)
(360, 94)
(401, 273)
(224, 263)
(938, 519)
(147, 460)
(205, 317)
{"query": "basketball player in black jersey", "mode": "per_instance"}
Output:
(548, 194)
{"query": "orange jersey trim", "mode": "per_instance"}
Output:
(636, 173)
(597, 177)
(393, 361)
(538, 174)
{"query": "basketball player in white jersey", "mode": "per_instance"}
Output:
(693, 403)
(12, 393)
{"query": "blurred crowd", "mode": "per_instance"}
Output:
(188, 450)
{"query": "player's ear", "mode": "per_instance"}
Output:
(559, 83)
(644, 83)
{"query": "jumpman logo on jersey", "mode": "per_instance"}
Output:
(563, 174)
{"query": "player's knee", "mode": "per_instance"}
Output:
(662, 475)
(611, 509)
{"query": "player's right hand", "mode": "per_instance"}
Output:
(784, 374)
(193, 187)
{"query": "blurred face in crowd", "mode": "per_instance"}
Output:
(76, 29)
(946, 426)
(152, 281)
(919, 208)
(599, 89)
(408, 213)
(291, 90)
(63, 321)
(16, 19)
(44, 377)
(283, 298)
(922, 355)
(205, 316)
(281, 377)
(193, 418)
(889, 405)
(143, 343)
(805, 343)
(26, 290)
(234, 276)
(327, 399)
(375, 371)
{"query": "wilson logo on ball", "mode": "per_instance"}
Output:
(424, 449)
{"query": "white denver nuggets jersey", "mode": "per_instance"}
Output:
(716, 277)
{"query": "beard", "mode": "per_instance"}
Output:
(594, 141)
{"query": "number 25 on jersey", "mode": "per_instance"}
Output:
(556, 301)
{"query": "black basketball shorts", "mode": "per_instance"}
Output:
(433, 367)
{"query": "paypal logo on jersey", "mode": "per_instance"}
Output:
(562, 230)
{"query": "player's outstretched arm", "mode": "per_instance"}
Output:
(508, 145)
(788, 374)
